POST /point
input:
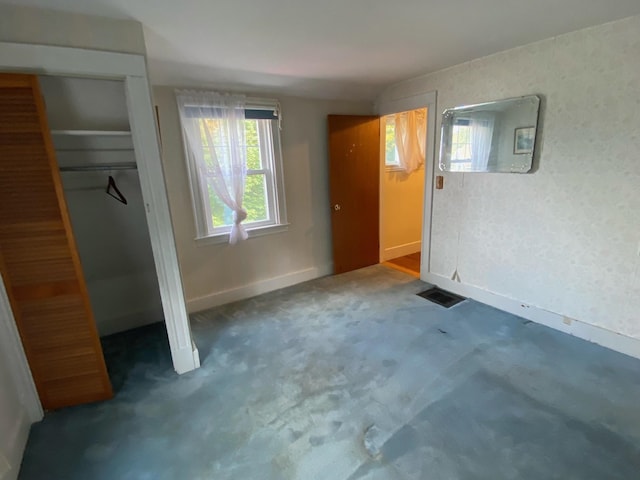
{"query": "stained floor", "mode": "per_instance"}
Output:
(353, 377)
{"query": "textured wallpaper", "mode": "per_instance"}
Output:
(564, 238)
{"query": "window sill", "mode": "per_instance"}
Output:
(254, 232)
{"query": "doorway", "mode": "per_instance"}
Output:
(381, 212)
(91, 137)
(402, 181)
(69, 254)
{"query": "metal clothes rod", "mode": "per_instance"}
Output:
(100, 168)
(127, 149)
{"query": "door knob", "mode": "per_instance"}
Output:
(336, 207)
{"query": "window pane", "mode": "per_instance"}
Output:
(253, 158)
(461, 143)
(391, 154)
(255, 198)
(211, 130)
(221, 214)
(253, 145)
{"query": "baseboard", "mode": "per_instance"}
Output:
(401, 250)
(263, 286)
(586, 331)
(11, 460)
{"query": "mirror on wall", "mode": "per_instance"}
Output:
(495, 136)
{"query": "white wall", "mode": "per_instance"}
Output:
(565, 238)
(14, 423)
(18, 407)
(48, 27)
(112, 238)
(215, 274)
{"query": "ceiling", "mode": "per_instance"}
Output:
(333, 48)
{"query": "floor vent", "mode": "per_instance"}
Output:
(441, 297)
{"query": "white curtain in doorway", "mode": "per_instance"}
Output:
(481, 133)
(411, 138)
(214, 129)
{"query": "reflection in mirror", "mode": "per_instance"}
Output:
(490, 137)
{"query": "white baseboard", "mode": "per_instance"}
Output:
(10, 460)
(401, 250)
(263, 286)
(586, 331)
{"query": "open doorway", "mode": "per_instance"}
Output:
(76, 263)
(359, 206)
(402, 181)
(91, 136)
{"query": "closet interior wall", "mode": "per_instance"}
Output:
(90, 127)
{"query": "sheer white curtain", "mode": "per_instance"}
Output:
(214, 130)
(411, 138)
(481, 133)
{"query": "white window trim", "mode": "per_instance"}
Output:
(276, 203)
(253, 233)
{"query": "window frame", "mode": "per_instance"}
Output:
(272, 169)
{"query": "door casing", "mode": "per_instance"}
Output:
(404, 104)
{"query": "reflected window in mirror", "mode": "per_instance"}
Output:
(461, 145)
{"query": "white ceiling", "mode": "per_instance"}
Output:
(333, 48)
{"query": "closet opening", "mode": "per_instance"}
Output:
(90, 131)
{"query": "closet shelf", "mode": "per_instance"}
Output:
(86, 141)
(99, 168)
(91, 133)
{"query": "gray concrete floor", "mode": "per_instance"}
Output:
(353, 377)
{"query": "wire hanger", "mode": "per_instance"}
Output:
(113, 191)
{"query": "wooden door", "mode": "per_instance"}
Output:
(38, 257)
(354, 177)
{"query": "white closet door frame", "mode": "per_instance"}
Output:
(63, 61)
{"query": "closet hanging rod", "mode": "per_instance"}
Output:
(129, 149)
(91, 133)
(100, 168)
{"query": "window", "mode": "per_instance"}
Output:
(263, 197)
(405, 136)
(391, 158)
